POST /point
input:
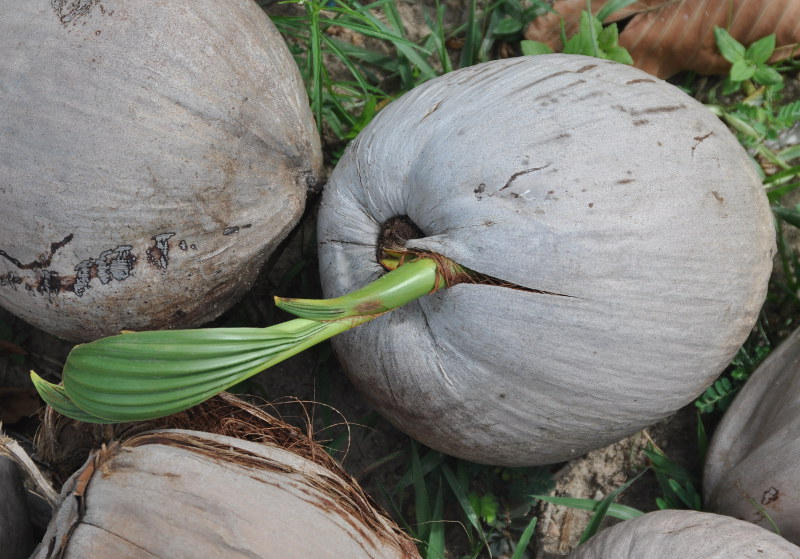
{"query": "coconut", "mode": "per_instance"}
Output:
(173, 493)
(752, 468)
(626, 231)
(687, 534)
(152, 155)
(16, 534)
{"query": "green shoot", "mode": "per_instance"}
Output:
(145, 375)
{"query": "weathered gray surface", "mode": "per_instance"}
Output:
(567, 175)
(670, 534)
(753, 465)
(194, 495)
(16, 536)
(151, 157)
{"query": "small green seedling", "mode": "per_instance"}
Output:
(592, 38)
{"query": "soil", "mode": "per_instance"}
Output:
(311, 388)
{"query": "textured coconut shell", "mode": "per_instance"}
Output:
(188, 494)
(669, 534)
(752, 468)
(152, 155)
(16, 535)
(631, 215)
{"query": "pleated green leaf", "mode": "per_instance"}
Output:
(56, 397)
(145, 375)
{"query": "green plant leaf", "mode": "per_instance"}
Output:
(608, 37)
(435, 547)
(742, 70)
(533, 48)
(464, 501)
(507, 27)
(702, 439)
(621, 512)
(421, 503)
(602, 508)
(524, 539)
(611, 7)
(766, 75)
(792, 217)
(760, 51)
(144, 375)
(731, 49)
(56, 397)
(619, 54)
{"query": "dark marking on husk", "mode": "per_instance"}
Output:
(115, 264)
(770, 496)
(44, 260)
(158, 254)
(431, 111)
(69, 11)
(700, 140)
(518, 174)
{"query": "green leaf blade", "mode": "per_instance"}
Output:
(534, 48)
(145, 375)
(56, 397)
(760, 51)
(742, 70)
(731, 49)
(622, 512)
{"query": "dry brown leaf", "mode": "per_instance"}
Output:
(667, 36)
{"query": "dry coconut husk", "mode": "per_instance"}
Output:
(248, 485)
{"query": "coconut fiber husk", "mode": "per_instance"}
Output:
(224, 479)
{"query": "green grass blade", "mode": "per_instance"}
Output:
(405, 47)
(621, 512)
(317, 68)
(464, 502)
(428, 463)
(792, 217)
(435, 548)
(602, 509)
(611, 7)
(421, 502)
(524, 539)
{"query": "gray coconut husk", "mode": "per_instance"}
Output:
(16, 535)
(687, 534)
(240, 483)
